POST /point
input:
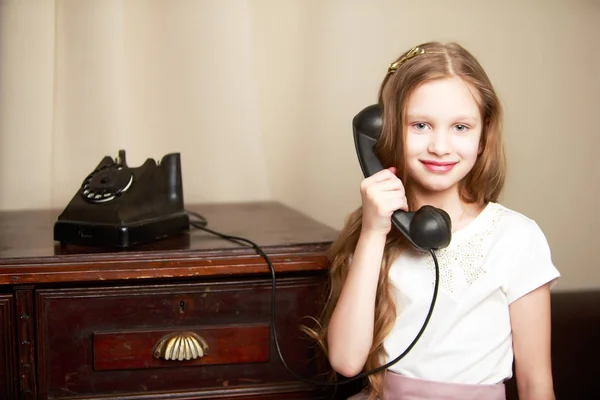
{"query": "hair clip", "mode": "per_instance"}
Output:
(415, 51)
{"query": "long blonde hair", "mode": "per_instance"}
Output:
(482, 185)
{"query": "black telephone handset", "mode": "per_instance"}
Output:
(429, 228)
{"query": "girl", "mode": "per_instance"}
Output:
(441, 145)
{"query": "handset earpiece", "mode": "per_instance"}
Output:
(429, 228)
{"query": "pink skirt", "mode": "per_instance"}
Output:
(398, 387)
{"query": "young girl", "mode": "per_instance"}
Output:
(441, 145)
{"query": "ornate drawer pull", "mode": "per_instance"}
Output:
(181, 346)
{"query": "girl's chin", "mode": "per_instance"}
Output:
(432, 188)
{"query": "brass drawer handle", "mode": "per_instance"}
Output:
(181, 346)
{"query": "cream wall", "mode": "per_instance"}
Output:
(258, 97)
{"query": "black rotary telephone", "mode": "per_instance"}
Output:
(119, 206)
(428, 228)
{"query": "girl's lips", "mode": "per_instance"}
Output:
(437, 166)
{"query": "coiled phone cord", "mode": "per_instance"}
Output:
(201, 224)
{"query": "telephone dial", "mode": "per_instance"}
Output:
(119, 206)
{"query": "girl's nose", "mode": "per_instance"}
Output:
(439, 143)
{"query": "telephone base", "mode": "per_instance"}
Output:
(122, 235)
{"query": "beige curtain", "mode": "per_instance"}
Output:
(258, 97)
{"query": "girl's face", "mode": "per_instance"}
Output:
(443, 131)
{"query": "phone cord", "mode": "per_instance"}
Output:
(243, 241)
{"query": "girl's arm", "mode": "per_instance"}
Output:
(530, 321)
(350, 332)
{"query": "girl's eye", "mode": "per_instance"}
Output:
(420, 126)
(461, 128)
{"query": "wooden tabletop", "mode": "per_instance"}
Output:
(28, 253)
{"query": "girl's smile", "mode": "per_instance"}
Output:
(439, 166)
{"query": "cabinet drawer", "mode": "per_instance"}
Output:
(181, 341)
(151, 348)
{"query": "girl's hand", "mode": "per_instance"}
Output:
(382, 194)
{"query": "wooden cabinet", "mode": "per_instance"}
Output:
(184, 318)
